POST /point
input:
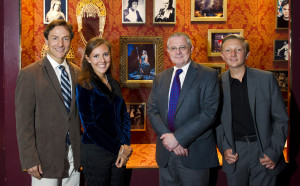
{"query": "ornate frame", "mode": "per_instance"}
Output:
(125, 41)
(91, 8)
(134, 126)
(197, 16)
(211, 35)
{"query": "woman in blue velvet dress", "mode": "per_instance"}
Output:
(105, 142)
(145, 66)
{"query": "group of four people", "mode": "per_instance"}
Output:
(185, 109)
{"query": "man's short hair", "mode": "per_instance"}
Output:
(181, 34)
(58, 22)
(239, 37)
(285, 2)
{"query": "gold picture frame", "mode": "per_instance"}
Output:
(215, 38)
(220, 67)
(141, 58)
(208, 10)
(137, 114)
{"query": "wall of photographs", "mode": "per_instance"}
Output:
(257, 20)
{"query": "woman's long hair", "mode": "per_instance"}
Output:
(87, 75)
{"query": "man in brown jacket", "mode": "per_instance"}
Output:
(48, 124)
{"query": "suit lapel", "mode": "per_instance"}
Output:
(188, 81)
(50, 73)
(251, 86)
(227, 108)
(74, 80)
(166, 90)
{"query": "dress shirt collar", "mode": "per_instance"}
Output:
(55, 64)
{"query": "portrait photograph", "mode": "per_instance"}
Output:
(282, 14)
(281, 50)
(133, 11)
(208, 10)
(282, 78)
(55, 9)
(137, 114)
(141, 59)
(164, 12)
(215, 38)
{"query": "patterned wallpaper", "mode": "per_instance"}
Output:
(256, 17)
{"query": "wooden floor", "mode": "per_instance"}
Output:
(143, 156)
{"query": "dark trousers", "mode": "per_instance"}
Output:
(99, 167)
(176, 174)
(249, 171)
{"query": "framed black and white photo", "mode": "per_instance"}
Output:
(133, 11)
(55, 9)
(281, 50)
(208, 10)
(164, 12)
(215, 38)
(137, 114)
(282, 14)
(141, 59)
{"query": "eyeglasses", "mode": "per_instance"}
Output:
(182, 48)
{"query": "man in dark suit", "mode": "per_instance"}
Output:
(181, 109)
(254, 121)
(48, 124)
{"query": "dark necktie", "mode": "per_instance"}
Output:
(66, 93)
(65, 87)
(174, 95)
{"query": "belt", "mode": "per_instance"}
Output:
(247, 139)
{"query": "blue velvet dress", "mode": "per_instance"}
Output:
(106, 125)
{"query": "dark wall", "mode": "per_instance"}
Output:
(2, 144)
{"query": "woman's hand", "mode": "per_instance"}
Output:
(124, 154)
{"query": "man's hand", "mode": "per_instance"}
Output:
(169, 141)
(266, 161)
(36, 171)
(229, 157)
(180, 151)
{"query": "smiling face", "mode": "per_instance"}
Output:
(234, 53)
(179, 51)
(100, 59)
(59, 41)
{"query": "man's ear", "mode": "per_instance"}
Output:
(247, 55)
(192, 48)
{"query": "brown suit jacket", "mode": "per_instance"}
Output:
(43, 121)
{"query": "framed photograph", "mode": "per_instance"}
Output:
(282, 78)
(215, 38)
(141, 59)
(133, 11)
(281, 50)
(282, 14)
(208, 10)
(137, 114)
(164, 12)
(55, 9)
(220, 67)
